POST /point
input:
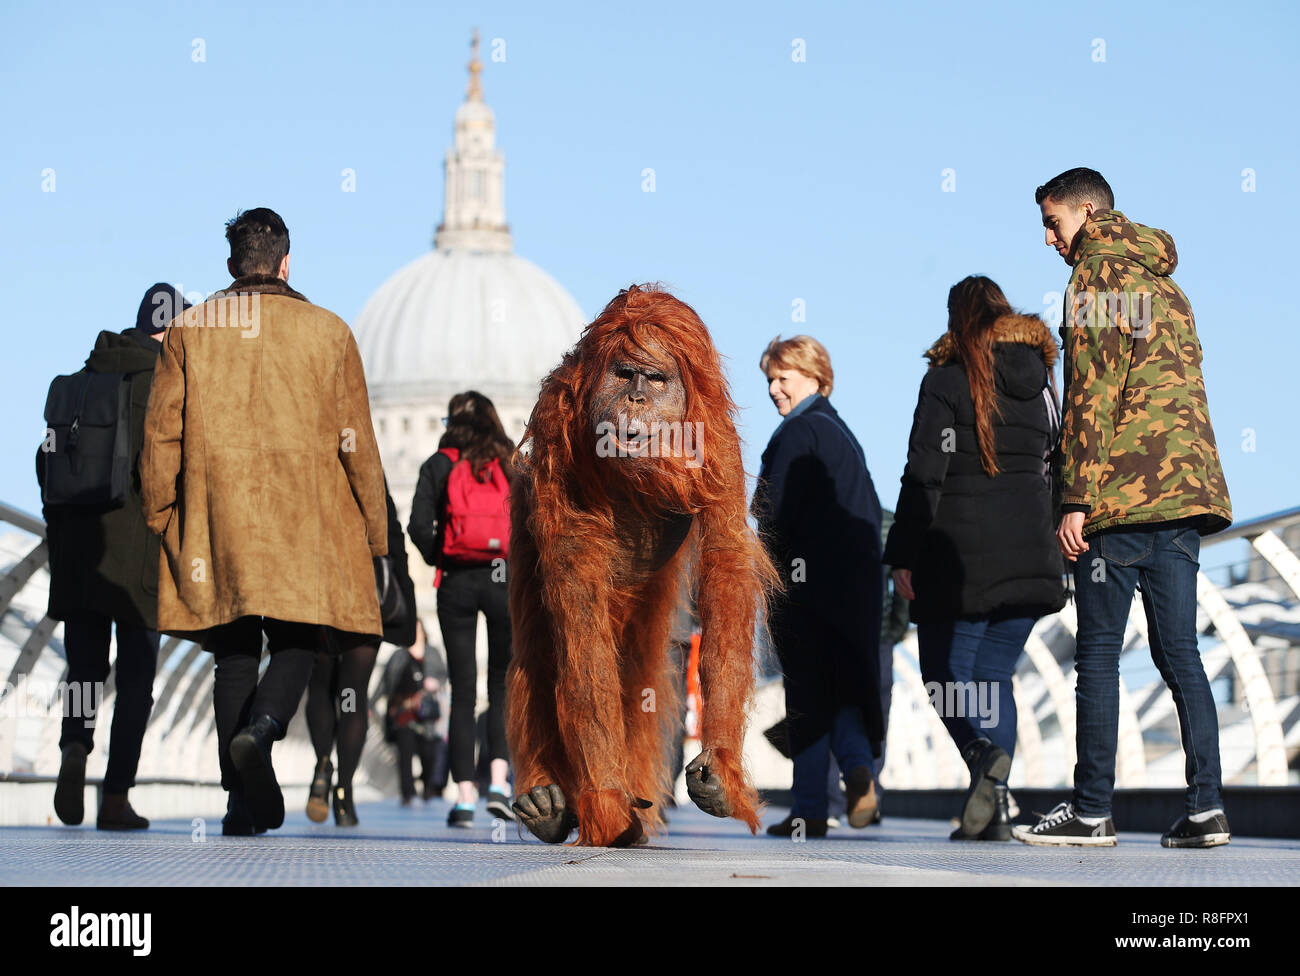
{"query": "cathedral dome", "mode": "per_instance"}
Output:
(457, 319)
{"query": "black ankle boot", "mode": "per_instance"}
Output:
(250, 751)
(318, 798)
(70, 791)
(345, 814)
(988, 765)
(237, 822)
(999, 827)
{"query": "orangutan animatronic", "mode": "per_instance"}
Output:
(630, 476)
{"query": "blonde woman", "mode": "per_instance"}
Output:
(820, 519)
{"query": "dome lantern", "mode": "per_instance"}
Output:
(474, 197)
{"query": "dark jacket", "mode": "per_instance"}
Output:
(428, 507)
(106, 561)
(819, 516)
(401, 633)
(976, 545)
(404, 677)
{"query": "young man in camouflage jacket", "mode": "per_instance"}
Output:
(1141, 484)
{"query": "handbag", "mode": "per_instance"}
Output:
(392, 601)
(1052, 455)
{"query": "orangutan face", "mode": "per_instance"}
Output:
(639, 400)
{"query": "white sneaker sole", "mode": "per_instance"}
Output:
(501, 811)
(1046, 840)
(1209, 840)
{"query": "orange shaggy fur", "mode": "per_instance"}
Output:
(586, 648)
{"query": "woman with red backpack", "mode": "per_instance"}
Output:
(460, 522)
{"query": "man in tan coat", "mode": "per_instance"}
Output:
(261, 473)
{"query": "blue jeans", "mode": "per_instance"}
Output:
(967, 667)
(1162, 561)
(848, 740)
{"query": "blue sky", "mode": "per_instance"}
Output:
(776, 180)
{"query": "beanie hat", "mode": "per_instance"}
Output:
(161, 303)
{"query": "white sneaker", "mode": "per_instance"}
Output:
(1063, 827)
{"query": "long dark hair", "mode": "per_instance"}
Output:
(974, 305)
(474, 429)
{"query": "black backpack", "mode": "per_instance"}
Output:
(86, 456)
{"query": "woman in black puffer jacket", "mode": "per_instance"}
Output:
(973, 544)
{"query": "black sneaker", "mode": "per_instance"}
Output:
(460, 817)
(1208, 833)
(806, 826)
(498, 805)
(1063, 827)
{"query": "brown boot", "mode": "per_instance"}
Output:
(115, 813)
(860, 796)
(318, 798)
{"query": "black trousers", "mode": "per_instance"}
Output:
(411, 744)
(462, 594)
(85, 640)
(238, 696)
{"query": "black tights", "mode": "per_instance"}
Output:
(338, 706)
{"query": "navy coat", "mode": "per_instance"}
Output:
(819, 516)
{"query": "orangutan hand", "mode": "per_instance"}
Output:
(543, 811)
(705, 788)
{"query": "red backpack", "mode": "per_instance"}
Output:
(477, 518)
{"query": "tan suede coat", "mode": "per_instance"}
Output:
(260, 469)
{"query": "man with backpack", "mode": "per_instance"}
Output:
(103, 558)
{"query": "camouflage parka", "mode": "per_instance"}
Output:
(1137, 443)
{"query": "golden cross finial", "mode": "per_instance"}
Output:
(474, 93)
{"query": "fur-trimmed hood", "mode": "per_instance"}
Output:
(1026, 330)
